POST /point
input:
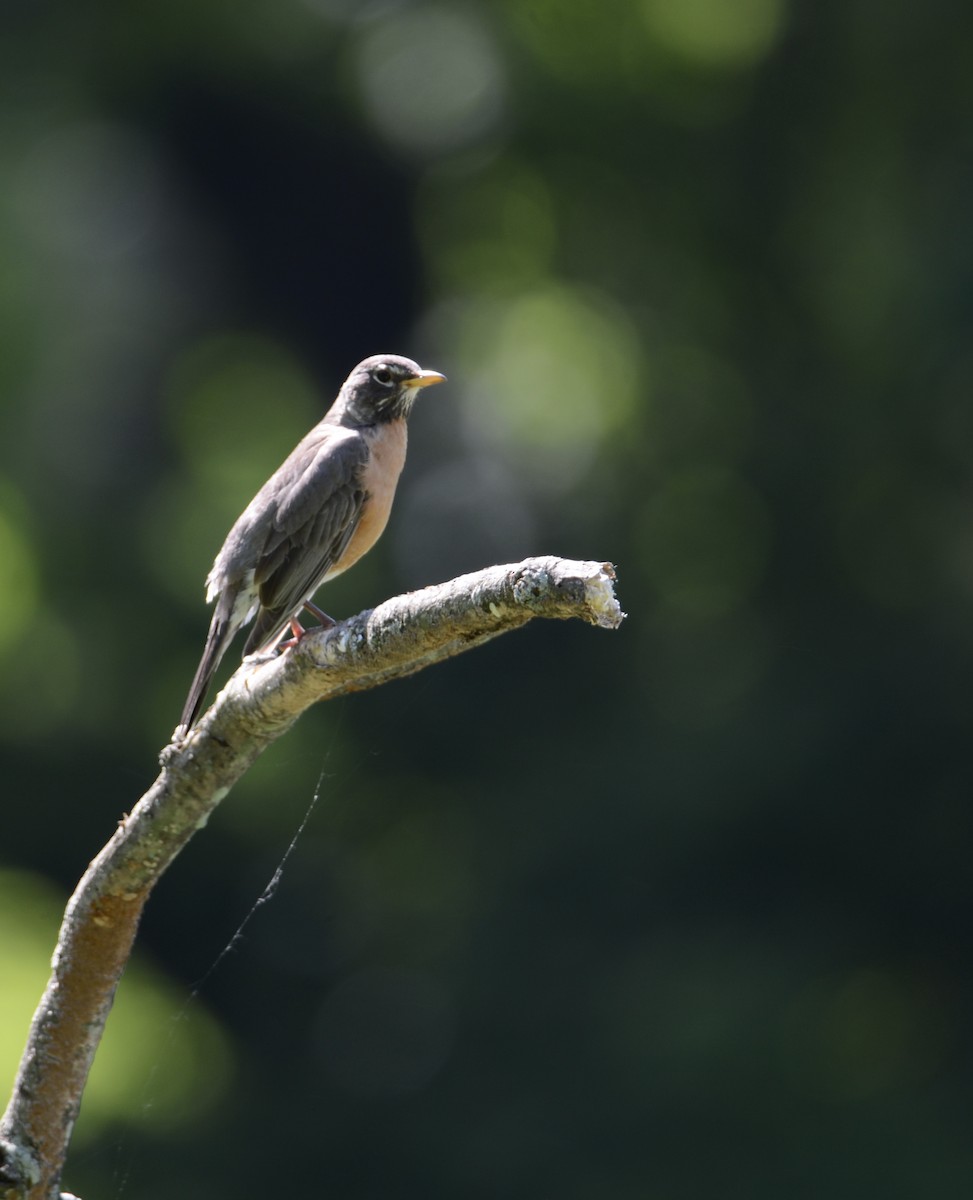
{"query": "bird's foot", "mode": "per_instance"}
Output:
(169, 753)
(298, 630)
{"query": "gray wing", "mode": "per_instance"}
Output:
(311, 508)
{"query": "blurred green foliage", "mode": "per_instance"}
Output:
(684, 911)
(156, 1065)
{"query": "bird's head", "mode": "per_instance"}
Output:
(383, 388)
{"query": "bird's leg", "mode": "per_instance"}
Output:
(298, 630)
(326, 621)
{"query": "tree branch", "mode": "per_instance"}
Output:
(260, 702)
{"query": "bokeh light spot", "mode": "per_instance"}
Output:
(715, 33)
(239, 404)
(556, 371)
(431, 79)
(90, 190)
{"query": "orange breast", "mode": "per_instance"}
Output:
(387, 445)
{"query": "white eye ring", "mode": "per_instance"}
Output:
(383, 376)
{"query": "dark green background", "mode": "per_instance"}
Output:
(681, 911)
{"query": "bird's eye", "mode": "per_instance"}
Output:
(383, 376)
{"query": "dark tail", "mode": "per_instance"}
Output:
(221, 633)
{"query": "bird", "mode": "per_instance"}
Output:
(323, 508)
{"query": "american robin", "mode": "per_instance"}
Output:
(320, 511)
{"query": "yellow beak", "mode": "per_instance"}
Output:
(427, 379)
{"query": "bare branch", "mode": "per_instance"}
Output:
(260, 702)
